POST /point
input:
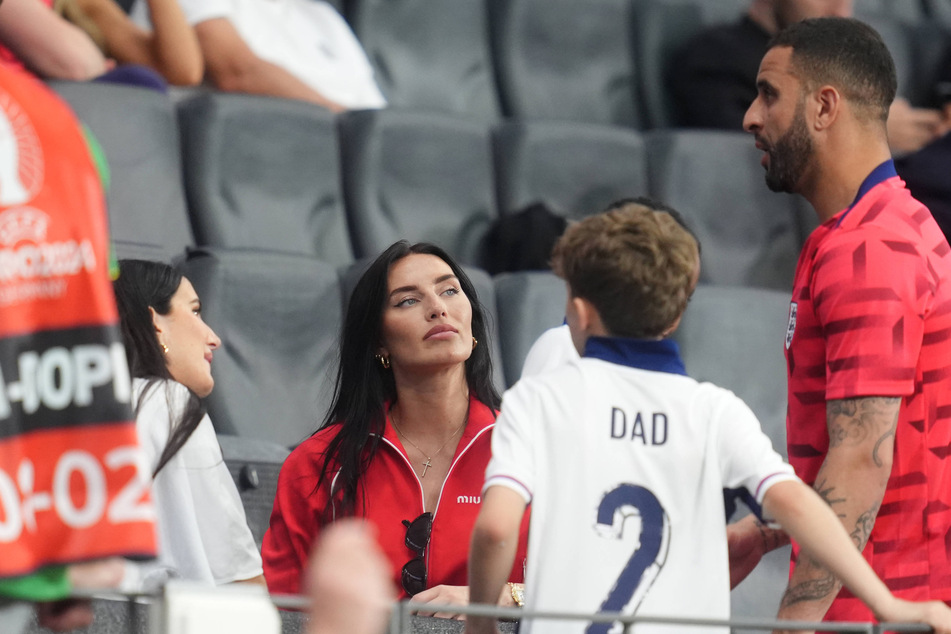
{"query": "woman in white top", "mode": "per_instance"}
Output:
(203, 533)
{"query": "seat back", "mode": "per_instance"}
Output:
(750, 236)
(418, 176)
(661, 28)
(574, 168)
(528, 304)
(264, 173)
(444, 65)
(278, 317)
(254, 464)
(566, 59)
(138, 132)
(733, 337)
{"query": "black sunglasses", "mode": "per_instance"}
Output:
(418, 533)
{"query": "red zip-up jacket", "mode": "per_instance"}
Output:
(392, 493)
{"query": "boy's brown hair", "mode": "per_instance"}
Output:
(635, 265)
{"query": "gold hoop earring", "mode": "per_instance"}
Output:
(475, 342)
(384, 361)
(164, 349)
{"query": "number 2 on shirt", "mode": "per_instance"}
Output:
(647, 560)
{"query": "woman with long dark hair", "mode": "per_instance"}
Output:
(408, 435)
(203, 533)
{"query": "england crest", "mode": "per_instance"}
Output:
(791, 326)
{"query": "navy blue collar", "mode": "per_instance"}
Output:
(879, 175)
(661, 355)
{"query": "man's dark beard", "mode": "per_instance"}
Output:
(790, 155)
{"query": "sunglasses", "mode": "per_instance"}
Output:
(418, 533)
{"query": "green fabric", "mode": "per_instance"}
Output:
(49, 584)
(105, 177)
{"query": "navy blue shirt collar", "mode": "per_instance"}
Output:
(646, 354)
(879, 175)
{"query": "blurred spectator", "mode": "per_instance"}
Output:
(35, 38)
(297, 49)
(926, 171)
(170, 47)
(713, 78)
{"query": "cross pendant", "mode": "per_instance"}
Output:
(426, 465)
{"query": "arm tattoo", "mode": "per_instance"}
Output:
(863, 526)
(852, 421)
(878, 460)
(825, 492)
(812, 590)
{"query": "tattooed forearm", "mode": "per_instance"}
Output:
(812, 590)
(863, 526)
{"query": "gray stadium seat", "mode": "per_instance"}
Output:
(349, 277)
(278, 317)
(661, 29)
(528, 304)
(254, 464)
(566, 59)
(430, 54)
(897, 36)
(750, 235)
(264, 173)
(139, 134)
(574, 168)
(903, 10)
(733, 337)
(419, 176)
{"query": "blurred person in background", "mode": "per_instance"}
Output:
(296, 49)
(712, 79)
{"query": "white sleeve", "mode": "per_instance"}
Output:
(512, 462)
(228, 542)
(747, 457)
(195, 11)
(551, 350)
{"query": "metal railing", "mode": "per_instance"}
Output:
(403, 621)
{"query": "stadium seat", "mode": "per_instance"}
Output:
(574, 168)
(430, 54)
(733, 337)
(419, 176)
(566, 59)
(138, 132)
(528, 304)
(904, 11)
(264, 173)
(661, 29)
(897, 36)
(254, 464)
(713, 12)
(278, 317)
(750, 235)
(931, 43)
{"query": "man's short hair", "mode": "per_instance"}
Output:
(844, 53)
(634, 265)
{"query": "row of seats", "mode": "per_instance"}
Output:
(278, 316)
(246, 172)
(596, 61)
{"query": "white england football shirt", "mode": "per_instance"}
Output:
(624, 459)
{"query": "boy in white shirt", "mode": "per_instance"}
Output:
(624, 458)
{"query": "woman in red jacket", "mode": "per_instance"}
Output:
(408, 436)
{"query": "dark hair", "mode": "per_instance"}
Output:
(633, 264)
(363, 386)
(847, 54)
(142, 285)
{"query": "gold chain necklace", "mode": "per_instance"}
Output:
(429, 459)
